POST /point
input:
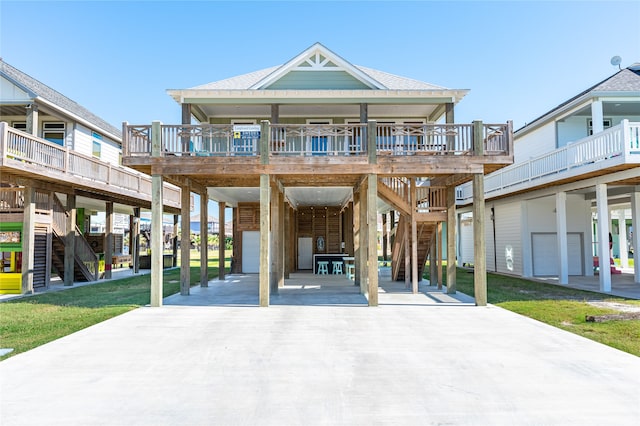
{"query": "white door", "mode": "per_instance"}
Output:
(545, 254)
(250, 252)
(305, 253)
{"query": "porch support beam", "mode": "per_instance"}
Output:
(357, 231)
(364, 237)
(414, 236)
(135, 240)
(70, 246)
(451, 240)
(433, 255)
(372, 232)
(406, 241)
(561, 234)
(265, 190)
(275, 113)
(364, 113)
(439, 228)
(174, 246)
(275, 240)
(602, 207)
(635, 221)
(281, 242)
(28, 239)
(204, 240)
(156, 219)
(185, 244)
(108, 237)
(222, 239)
(479, 243)
(32, 120)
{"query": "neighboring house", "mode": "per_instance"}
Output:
(308, 154)
(59, 166)
(573, 187)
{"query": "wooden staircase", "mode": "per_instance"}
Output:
(86, 261)
(428, 207)
(426, 231)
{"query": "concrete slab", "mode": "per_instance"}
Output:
(214, 357)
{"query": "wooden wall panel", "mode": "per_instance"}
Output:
(248, 216)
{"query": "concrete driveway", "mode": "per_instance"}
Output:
(319, 356)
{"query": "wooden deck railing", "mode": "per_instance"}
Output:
(22, 148)
(318, 139)
(616, 145)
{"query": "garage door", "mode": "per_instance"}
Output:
(545, 254)
(250, 252)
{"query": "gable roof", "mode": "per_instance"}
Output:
(40, 90)
(318, 57)
(626, 80)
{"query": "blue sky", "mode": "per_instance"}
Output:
(519, 59)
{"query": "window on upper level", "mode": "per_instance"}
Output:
(19, 125)
(606, 123)
(54, 132)
(97, 144)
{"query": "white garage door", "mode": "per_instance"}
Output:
(545, 254)
(250, 252)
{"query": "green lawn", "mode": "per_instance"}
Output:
(32, 321)
(558, 306)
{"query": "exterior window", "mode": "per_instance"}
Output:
(54, 132)
(97, 144)
(19, 125)
(606, 123)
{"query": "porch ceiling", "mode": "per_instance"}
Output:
(351, 111)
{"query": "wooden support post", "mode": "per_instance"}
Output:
(414, 236)
(204, 239)
(28, 239)
(372, 140)
(264, 239)
(135, 240)
(174, 245)
(364, 238)
(222, 240)
(235, 251)
(357, 229)
(185, 242)
(439, 227)
(281, 242)
(478, 139)
(372, 237)
(433, 255)
(70, 241)
(32, 121)
(275, 113)
(264, 141)
(287, 238)
(275, 240)
(385, 238)
(479, 243)
(108, 240)
(156, 219)
(364, 113)
(407, 251)
(449, 119)
(451, 240)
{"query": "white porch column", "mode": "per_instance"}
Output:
(597, 117)
(622, 238)
(603, 236)
(635, 240)
(561, 233)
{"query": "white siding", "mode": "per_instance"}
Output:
(546, 258)
(535, 143)
(10, 92)
(465, 240)
(84, 144)
(572, 129)
(508, 243)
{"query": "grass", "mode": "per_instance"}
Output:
(558, 306)
(33, 321)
